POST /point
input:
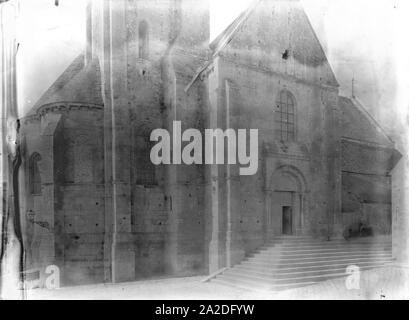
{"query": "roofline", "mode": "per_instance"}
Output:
(38, 104)
(59, 105)
(367, 143)
(361, 108)
(320, 46)
(223, 39)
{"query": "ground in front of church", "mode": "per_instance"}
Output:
(386, 283)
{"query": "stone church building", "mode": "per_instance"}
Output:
(96, 206)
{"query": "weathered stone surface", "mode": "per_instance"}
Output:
(114, 216)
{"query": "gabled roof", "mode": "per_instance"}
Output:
(305, 52)
(77, 84)
(358, 124)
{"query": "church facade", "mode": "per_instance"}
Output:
(98, 208)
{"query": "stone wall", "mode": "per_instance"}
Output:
(366, 185)
(114, 216)
(64, 224)
(37, 209)
(400, 221)
(167, 213)
(253, 98)
(80, 210)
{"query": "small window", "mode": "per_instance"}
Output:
(143, 31)
(34, 174)
(285, 116)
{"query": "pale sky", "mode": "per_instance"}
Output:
(364, 39)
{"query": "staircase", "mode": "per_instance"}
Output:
(294, 261)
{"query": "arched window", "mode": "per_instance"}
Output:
(285, 116)
(34, 174)
(143, 32)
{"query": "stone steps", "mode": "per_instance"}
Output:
(310, 267)
(291, 262)
(315, 260)
(326, 248)
(246, 285)
(288, 273)
(314, 254)
(322, 244)
(285, 281)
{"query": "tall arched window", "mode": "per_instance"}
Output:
(285, 116)
(34, 174)
(143, 32)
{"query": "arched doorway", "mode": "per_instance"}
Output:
(286, 202)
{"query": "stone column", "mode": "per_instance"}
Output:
(118, 240)
(332, 153)
(171, 186)
(268, 230)
(400, 205)
(173, 189)
(228, 184)
(214, 88)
